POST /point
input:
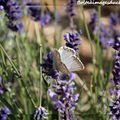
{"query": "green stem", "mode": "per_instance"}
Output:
(91, 45)
(88, 33)
(100, 57)
(40, 45)
(3, 58)
(22, 81)
(55, 25)
(10, 60)
(27, 92)
(20, 56)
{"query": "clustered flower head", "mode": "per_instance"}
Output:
(106, 36)
(71, 7)
(40, 113)
(106, 32)
(116, 44)
(114, 19)
(73, 40)
(63, 97)
(94, 21)
(115, 107)
(37, 14)
(13, 13)
(48, 67)
(116, 69)
(34, 10)
(4, 112)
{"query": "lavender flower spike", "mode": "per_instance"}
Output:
(116, 69)
(63, 97)
(114, 19)
(40, 113)
(94, 21)
(34, 10)
(71, 7)
(13, 13)
(116, 45)
(115, 110)
(36, 13)
(115, 107)
(4, 112)
(73, 40)
(48, 67)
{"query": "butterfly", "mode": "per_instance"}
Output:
(66, 60)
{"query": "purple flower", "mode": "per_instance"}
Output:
(1, 8)
(106, 35)
(2, 90)
(118, 93)
(13, 13)
(36, 13)
(15, 26)
(45, 19)
(34, 10)
(40, 113)
(71, 7)
(2, 87)
(115, 110)
(73, 40)
(114, 19)
(48, 66)
(4, 112)
(116, 45)
(63, 97)
(94, 21)
(112, 91)
(116, 68)
(115, 107)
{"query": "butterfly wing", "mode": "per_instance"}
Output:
(58, 64)
(69, 58)
(76, 65)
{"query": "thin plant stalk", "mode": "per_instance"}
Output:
(22, 81)
(40, 46)
(2, 49)
(91, 45)
(55, 25)
(19, 55)
(88, 33)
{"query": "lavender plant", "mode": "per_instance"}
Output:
(106, 35)
(36, 12)
(4, 112)
(73, 40)
(40, 113)
(115, 107)
(36, 87)
(14, 13)
(63, 97)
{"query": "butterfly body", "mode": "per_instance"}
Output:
(66, 60)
